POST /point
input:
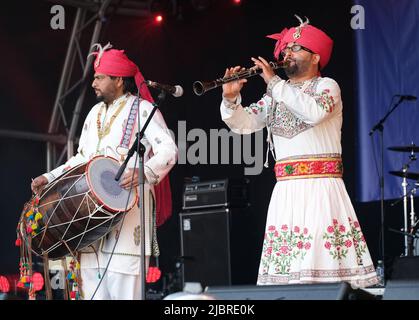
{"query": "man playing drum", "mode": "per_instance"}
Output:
(109, 130)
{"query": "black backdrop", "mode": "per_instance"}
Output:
(199, 47)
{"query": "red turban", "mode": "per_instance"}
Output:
(116, 63)
(307, 36)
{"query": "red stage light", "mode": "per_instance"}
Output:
(153, 274)
(237, 1)
(158, 19)
(38, 281)
(4, 284)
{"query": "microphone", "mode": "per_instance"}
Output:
(406, 97)
(402, 97)
(176, 91)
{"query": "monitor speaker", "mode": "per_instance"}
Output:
(325, 291)
(402, 290)
(219, 247)
(405, 268)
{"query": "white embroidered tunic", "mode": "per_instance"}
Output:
(160, 156)
(312, 233)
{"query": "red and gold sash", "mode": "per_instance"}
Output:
(311, 167)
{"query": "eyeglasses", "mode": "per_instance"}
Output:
(294, 48)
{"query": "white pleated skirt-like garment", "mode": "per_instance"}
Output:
(312, 235)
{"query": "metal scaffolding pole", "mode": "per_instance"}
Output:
(57, 111)
(88, 12)
(72, 51)
(80, 100)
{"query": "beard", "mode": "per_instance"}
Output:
(296, 68)
(101, 97)
(291, 70)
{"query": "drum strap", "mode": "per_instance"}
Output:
(162, 190)
(48, 290)
(129, 126)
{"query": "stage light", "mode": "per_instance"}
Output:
(38, 281)
(153, 274)
(158, 19)
(4, 284)
(237, 2)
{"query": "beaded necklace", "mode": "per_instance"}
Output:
(104, 130)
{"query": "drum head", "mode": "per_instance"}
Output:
(100, 174)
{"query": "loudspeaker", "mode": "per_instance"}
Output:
(325, 291)
(401, 290)
(219, 247)
(405, 268)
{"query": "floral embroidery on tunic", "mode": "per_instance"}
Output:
(325, 101)
(366, 272)
(281, 247)
(314, 167)
(359, 240)
(285, 124)
(255, 108)
(311, 88)
(339, 240)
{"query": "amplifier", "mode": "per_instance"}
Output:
(220, 246)
(233, 193)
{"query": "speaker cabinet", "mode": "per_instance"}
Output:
(405, 268)
(219, 247)
(325, 291)
(402, 290)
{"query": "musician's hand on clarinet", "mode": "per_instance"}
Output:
(267, 70)
(232, 89)
(128, 177)
(38, 184)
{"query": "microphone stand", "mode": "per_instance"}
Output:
(140, 149)
(379, 126)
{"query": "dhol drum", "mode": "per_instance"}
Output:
(76, 209)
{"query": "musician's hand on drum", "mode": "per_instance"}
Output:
(267, 70)
(38, 184)
(232, 89)
(128, 177)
